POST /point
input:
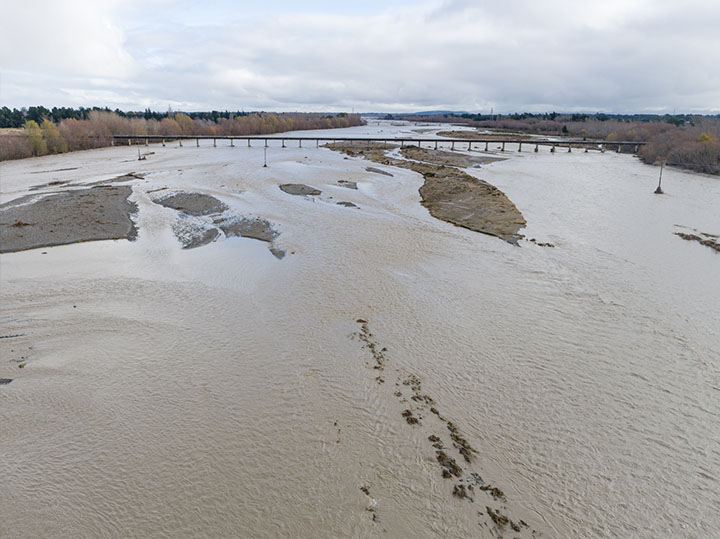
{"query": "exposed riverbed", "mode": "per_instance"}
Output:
(392, 374)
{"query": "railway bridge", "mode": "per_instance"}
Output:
(435, 142)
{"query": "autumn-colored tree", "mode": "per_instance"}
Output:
(35, 138)
(53, 139)
(169, 127)
(186, 124)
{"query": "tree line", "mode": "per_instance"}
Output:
(93, 128)
(16, 118)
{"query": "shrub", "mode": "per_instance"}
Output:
(35, 139)
(53, 139)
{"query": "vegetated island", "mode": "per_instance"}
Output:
(451, 194)
(41, 131)
(691, 142)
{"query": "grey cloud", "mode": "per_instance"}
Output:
(457, 54)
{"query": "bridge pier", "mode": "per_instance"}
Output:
(586, 148)
(503, 147)
(283, 143)
(317, 143)
(232, 143)
(299, 143)
(486, 146)
(569, 148)
(197, 142)
(402, 143)
(552, 150)
(520, 147)
(129, 142)
(146, 142)
(180, 142)
(163, 142)
(469, 146)
(436, 144)
(452, 147)
(636, 148)
(214, 143)
(266, 144)
(618, 149)
(536, 147)
(248, 143)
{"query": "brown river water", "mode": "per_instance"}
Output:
(222, 392)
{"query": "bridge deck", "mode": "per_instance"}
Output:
(390, 140)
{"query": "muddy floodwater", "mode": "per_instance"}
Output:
(336, 362)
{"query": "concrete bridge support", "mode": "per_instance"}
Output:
(503, 147)
(180, 142)
(536, 148)
(436, 144)
(569, 148)
(452, 146)
(520, 147)
(214, 143)
(163, 142)
(486, 146)
(283, 143)
(552, 150)
(232, 143)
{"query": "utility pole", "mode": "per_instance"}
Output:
(659, 190)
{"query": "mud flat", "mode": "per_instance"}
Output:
(99, 213)
(192, 203)
(442, 157)
(451, 194)
(201, 218)
(299, 189)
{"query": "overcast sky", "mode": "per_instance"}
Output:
(370, 55)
